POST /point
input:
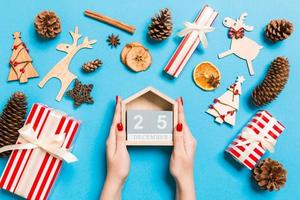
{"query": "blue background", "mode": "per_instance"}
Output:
(216, 175)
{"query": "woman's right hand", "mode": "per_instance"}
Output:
(182, 158)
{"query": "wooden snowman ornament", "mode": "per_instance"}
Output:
(20, 61)
(149, 117)
(241, 46)
(61, 69)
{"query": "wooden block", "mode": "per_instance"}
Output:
(154, 108)
(149, 126)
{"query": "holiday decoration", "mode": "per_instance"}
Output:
(161, 25)
(259, 135)
(44, 142)
(136, 57)
(20, 61)
(270, 175)
(113, 40)
(207, 76)
(273, 83)
(60, 70)
(110, 21)
(278, 29)
(193, 34)
(241, 46)
(81, 93)
(12, 119)
(149, 117)
(225, 107)
(47, 24)
(91, 66)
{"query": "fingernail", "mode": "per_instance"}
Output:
(179, 127)
(117, 99)
(181, 99)
(120, 126)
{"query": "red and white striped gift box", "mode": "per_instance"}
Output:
(262, 124)
(189, 43)
(31, 173)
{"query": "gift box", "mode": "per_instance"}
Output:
(37, 156)
(260, 134)
(193, 35)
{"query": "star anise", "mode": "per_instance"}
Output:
(81, 93)
(213, 81)
(113, 40)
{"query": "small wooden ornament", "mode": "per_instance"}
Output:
(149, 117)
(20, 61)
(225, 107)
(61, 69)
(241, 46)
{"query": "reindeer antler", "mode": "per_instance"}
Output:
(87, 43)
(75, 35)
(243, 17)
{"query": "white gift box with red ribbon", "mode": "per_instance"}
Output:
(36, 159)
(260, 135)
(193, 34)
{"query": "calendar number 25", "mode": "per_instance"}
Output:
(161, 122)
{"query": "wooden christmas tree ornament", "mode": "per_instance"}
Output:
(149, 117)
(20, 61)
(61, 69)
(225, 107)
(241, 46)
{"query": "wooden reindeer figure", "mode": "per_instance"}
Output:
(20, 61)
(241, 46)
(60, 70)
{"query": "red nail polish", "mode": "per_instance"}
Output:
(181, 99)
(117, 99)
(120, 126)
(179, 127)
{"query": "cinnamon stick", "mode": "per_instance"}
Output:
(110, 21)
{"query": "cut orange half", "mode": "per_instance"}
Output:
(207, 76)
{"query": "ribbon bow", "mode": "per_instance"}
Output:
(251, 137)
(51, 144)
(236, 34)
(201, 30)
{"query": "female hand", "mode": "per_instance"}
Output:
(118, 161)
(182, 158)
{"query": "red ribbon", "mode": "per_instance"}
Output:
(236, 34)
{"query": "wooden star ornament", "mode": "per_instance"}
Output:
(81, 93)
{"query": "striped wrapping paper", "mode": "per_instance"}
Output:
(31, 173)
(249, 154)
(189, 43)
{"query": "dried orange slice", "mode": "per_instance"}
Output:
(207, 76)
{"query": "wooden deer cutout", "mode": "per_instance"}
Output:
(241, 46)
(60, 70)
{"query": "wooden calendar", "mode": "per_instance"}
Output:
(149, 117)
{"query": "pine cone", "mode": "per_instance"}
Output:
(47, 24)
(91, 66)
(270, 175)
(278, 29)
(161, 25)
(273, 83)
(12, 119)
